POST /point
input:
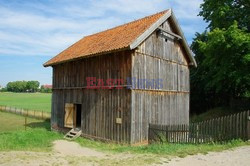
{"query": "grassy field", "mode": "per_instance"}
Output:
(33, 101)
(36, 137)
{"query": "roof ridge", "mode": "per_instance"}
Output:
(131, 22)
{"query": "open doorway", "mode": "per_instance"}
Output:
(72, 116)
(78, 115)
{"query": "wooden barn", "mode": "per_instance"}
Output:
(112, 84)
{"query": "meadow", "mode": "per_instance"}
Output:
(33, 101)
(12, 122)
(36, 136)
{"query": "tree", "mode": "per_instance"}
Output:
(227, 58)
(32, 86)
(3, 90)
(223, 55)
(223, 13)
(17, 86)
(23, 86)
(200, 96)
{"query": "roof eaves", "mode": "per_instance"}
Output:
(82, 57)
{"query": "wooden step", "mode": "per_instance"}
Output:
(73, 134)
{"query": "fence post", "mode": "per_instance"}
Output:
(25, 122)
(248, 125)
(167, 134)
(149, 133)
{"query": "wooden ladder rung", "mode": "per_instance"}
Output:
(72, 134)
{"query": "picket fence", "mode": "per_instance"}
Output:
(222, 129)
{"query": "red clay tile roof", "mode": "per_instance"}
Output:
(113, 39)
(47, 86)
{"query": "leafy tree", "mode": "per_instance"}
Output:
(23, 86)
(222, 53)
(227, 58)
(32, 86)
(17, 86)
(223, 13)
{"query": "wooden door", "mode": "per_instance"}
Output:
(69, 115)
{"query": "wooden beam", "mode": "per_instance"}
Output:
(131, 88)
(170, 33)
(159, 90)
(163, 59)
(97, 87)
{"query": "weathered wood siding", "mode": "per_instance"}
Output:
(100, 107)
(137, 107)
(157, 59)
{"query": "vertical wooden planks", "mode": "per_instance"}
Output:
(222, 129)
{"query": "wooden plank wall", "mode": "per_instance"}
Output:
(163, 108)
(103, 107)
(100, 107)
(157, 59)
(73, 74)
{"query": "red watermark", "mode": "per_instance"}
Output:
(93, 83)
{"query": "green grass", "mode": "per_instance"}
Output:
(165, 149)
(12, 122)
(33, 101)
(213, 113)
(36, 137)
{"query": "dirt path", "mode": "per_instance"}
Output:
(236, 157)
(71, 153)
(74, 149)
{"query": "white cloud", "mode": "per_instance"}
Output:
(41, 29)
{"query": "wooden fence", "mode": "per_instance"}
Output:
(235, 126)
(26, 112)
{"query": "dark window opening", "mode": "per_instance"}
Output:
(78, 115)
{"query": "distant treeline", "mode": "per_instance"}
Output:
(25, 86)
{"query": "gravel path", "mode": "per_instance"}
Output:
(236, 157)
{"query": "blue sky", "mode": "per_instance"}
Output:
(33, 31)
